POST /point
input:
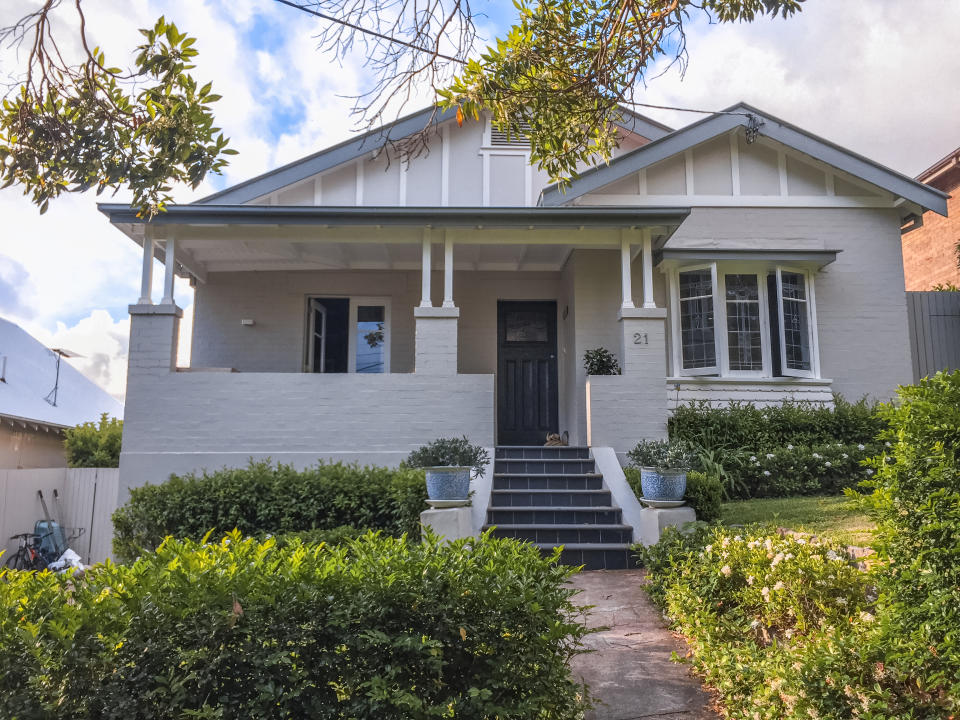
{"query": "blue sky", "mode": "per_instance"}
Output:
(872, 75)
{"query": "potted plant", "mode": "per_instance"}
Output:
(448, 463)
(600, 361)
(663, 469)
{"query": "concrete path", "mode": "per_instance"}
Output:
(631, 670)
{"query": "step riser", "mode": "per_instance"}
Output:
(506, 516)
(550, 499)
(547, 467)
(542, 453)
(548, 482)
(596, 559)
(559, 537)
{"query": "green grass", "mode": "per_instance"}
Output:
(829, 517)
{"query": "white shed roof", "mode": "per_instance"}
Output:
(29, 378)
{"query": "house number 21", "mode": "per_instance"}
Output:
(640, 339)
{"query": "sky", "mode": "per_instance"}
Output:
(875, 76)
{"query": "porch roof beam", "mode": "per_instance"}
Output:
(438, 217)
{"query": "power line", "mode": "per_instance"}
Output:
(366, 31)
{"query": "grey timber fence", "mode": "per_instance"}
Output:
(934, 331)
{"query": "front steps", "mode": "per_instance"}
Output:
(553, 496)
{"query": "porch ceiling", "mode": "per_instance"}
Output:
(305, 238)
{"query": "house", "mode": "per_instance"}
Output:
(354, 305)
(930, 255)
(41, 396)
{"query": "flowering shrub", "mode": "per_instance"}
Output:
(786, 628)
(800, 470)
(375, 627)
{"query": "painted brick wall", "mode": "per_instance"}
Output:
(184, 421)
(930, 252)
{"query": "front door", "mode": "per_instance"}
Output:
(526, 372)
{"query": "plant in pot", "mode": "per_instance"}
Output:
(663, 469)
(600, 361)
(448, 463)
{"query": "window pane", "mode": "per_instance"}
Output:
(796, 328)
(522, 326)
(371, 321)
(743, 322)
(696, 320)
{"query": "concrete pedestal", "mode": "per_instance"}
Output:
(653, 521)
(452, 523)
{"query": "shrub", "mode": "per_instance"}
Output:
(264, 498)
(916, 503)
(450, 452)
(742, 426)
(704, 493)
(792, 470)
(600, 361)
(94, 444)
(373, 628)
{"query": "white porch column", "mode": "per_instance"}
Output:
(448, 271)
(170, 270)
(647, 257)
(146, 277)
(626, 282)
(426, 269)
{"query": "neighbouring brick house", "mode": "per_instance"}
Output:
(930, 248)
(352, 305)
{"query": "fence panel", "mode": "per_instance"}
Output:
(934, 319)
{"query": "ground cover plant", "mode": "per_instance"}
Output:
(266, 499)
(374, 627)
(790, 628)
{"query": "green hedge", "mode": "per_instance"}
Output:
(263, 498)
(787, 628)
(704, 492)
(742, 426)
(373, 628)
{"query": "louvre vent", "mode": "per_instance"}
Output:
(498, 136)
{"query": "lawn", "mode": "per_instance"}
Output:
(829, 517)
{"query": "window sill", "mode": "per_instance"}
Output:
(714, 380)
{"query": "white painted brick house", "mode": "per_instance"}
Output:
(351, 307)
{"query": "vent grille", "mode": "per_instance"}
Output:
(498, 136)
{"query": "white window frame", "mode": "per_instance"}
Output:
(677, 332)
(355, 303)
(719, 271)
(812, 333)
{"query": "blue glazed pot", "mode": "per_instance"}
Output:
(669, 485)
(448, 483)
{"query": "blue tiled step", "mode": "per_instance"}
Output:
(508, 481)
(535, 452)
(559, 534)
(553, 515)
(550, 498)
(593, 556)
(553, 466)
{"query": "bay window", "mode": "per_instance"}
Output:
(743, 320)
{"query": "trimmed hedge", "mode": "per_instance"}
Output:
(373, 628)
(263, 498)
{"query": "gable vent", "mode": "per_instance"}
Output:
(499, 136)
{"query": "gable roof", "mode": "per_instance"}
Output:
(357, 147)
(783, 132)
(943, 174)
(29, 377)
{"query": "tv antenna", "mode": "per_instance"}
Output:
(60, 353)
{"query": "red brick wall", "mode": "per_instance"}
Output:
(930, 253)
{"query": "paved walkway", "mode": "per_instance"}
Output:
(631, 670)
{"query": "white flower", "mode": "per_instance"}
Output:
(766, 473)
(709, 548)
(753, 458)
(776, 560)
(737, 538)
(866, 617)
(788, 556)
(861, 446)
(788, 632)
(817, 455)
(789, 447)
(765, 591)
(801, 541)
(887, 443)
(828, 464)
(750, 580)
(752, 544)
(841, 601)
(845, 456)
(768, 544)
(725, 542)
(779, 585)
(755, 624)
(769, 456)
(869, 471)
(726, 571)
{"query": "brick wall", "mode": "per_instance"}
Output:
(930, 252)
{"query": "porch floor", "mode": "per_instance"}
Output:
(631, 670)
